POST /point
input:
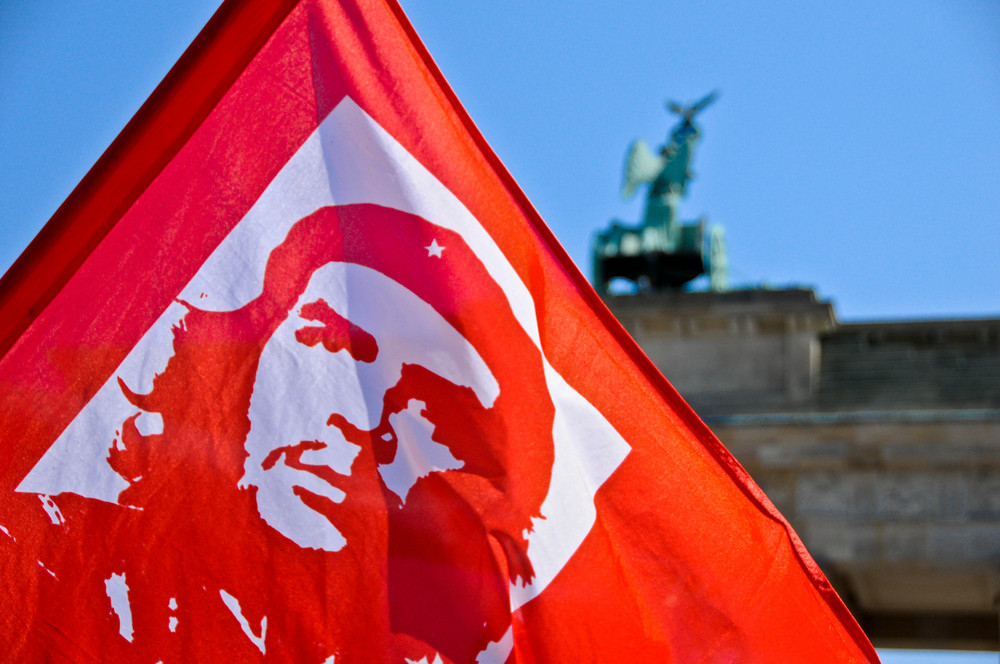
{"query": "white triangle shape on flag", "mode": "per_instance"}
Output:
(348, 159)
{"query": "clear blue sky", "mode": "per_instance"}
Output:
(855, 147)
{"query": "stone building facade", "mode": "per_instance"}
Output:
(879, 441)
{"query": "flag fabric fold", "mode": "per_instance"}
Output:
(297, 374)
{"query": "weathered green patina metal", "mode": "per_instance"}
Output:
(661, 253)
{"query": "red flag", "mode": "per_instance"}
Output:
(298, 374)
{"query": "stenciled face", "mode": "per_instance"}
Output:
(327, 367)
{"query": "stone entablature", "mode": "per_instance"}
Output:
(919, 364)
(738, 350)
(901, 509)
(880, 442)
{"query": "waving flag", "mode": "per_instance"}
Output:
(297, 374)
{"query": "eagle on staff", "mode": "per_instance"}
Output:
(668, 170)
